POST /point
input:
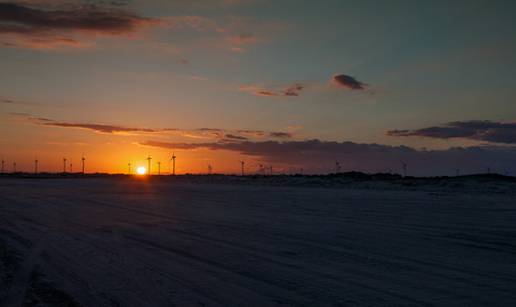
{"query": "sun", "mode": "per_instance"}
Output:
(141, 170)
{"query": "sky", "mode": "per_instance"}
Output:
(294, 85)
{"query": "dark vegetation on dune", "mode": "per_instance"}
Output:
(356, 180)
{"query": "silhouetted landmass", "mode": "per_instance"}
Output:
(356, 180)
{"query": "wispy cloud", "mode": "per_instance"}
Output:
(281, 135)
(235, 137)
(287, 91)
(99, 128)
(196, 133)
(13, 102)
(479, 130)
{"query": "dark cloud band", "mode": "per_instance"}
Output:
(320, 156)
(479, 130)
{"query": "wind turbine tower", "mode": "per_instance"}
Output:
(14, 167)
(71, 168)
(404, 169)
(209, 169)
(64, 165)
(149, 164)
(159, 168)
(36, 166)
(173, 164)
(83, 159)
(129, 168)
(242, 165)
(3, 165)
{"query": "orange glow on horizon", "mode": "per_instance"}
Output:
(141, 170)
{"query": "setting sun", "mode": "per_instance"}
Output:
(141, 170)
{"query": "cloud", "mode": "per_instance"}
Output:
(478, 130)
(32, 27)
(99, 128)
(320, 156)
(280, 135)
(348, 82)
(288, 91)
(7, 101)
(252, 133)
(235, 137)
(237, 43)
(197, 133)
(293, 90)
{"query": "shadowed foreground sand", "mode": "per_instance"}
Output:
(121, 242)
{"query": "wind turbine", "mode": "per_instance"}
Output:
(14, 167)
(159, 168)
(129, 168)
(242, 164)
(173, 159)
(3, 165)
(36, 165)
(261, 169)
(64, 165)
(71, 167)
(83, 159)
(209, 169)
(404, 165)
(149, 164)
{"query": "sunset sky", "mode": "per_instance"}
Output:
(288, 84)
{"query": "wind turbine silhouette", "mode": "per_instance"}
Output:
(83, 159)
(36, 165)
(261, 169)
(64, 165)
(3, 164)
(242, 164)
(129, 168)
(404, 165)
(149, 164)
(209, 169)
(173, 159)
(159, 168)
(14, 167)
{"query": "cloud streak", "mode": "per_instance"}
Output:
(293, 90)
(197, 133)
(478, 130)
